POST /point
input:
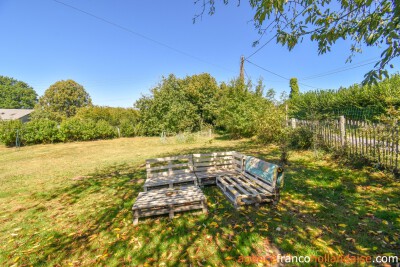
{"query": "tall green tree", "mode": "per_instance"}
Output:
(294, 88)
(62, 100)
(202, 91)
(364, 22)
(241, 108)
(177, 105)
(16, 94)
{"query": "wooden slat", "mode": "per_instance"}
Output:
(169, 158)
(249, 185)
(168, 166)
(168, 180)
(213, 154)
(214, 163)
(262, 183)
(207, 159)
(169, 173)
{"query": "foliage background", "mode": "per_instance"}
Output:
(358, 102)
(16, 94)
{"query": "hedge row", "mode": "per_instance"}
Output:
(44, 131)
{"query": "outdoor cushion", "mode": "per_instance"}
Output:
(262, 169)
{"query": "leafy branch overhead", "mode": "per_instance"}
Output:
(364, 22)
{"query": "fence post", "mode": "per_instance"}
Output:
(286, 115)
(342, 122)
(293, 120)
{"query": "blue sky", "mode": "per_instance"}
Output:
(44, 41)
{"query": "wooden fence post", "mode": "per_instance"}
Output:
(342, 122)
(293, 123)
(286, 115)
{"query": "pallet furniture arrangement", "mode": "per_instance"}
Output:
(173, 183)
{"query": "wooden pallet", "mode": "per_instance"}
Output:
(241, 190)
(174, 181)
(208, 167)
(168, 201)
(169, 172)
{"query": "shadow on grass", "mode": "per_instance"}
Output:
(323, 210)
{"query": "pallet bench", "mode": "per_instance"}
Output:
(169, 172)
(168, 201)
(243, 191)
(208, 167)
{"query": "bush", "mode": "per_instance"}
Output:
(114, 116)
(178, 105)
(271, 127)
(76, 129)
(301, 138)
(128, 129)
(8, 132)
(41, 131)
(241, 110)
(104, 130)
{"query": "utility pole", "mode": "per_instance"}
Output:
(242, 68)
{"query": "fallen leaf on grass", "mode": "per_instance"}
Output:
(214, 224)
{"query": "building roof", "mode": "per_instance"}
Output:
(14, 114)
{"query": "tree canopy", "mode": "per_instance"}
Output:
(177, 105)
(16, 94)
(364, 22)
(62, 100)
(294, 88)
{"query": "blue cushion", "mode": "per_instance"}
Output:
(264, 170)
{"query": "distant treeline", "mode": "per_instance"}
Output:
(357, 102)
(65, 112)
(241, 109)
(90, 123)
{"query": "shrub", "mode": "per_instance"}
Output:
(241, 110)
(114, 116)
(76, 129)
(301, 138)
(40, 131)
(271, 127)
(128, 129)
(9, 130)
(178, 105)
(104, 130)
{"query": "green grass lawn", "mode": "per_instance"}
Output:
(69, 205)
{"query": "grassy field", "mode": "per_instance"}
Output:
(69, 205)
